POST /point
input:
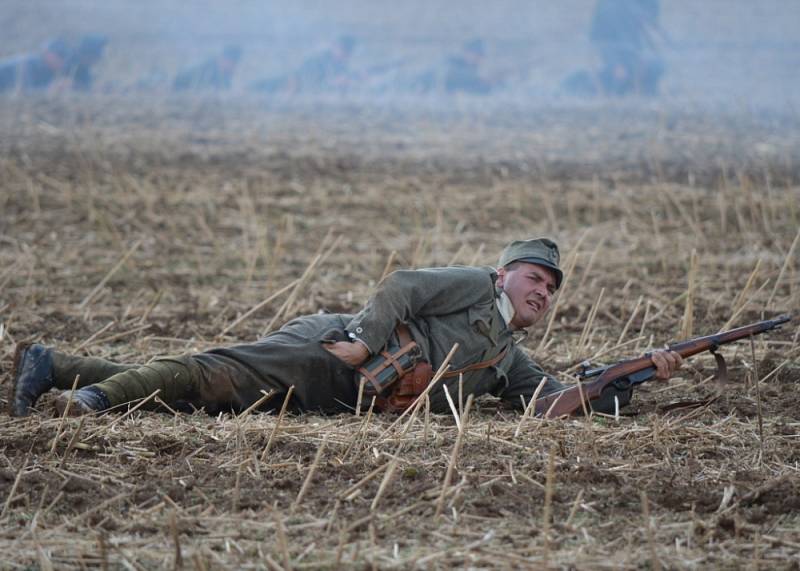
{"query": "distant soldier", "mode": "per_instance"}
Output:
(34, 71)
(213, 73)
(325, 71)
(463, 70)
(78, 68)
(459, 73)
(623, 33)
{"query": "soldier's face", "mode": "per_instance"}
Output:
(531, 289)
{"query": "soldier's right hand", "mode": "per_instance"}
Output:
(354, 354)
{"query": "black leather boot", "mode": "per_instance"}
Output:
(31, 378)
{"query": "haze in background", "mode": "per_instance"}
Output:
(727, 54)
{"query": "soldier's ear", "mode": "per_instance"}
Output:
(501, 275)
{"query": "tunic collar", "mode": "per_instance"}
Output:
(505, 307)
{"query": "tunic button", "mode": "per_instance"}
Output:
(359, 329)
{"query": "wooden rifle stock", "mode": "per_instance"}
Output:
(634, 371)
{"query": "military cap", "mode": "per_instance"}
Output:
(541, 251)
(57, 46)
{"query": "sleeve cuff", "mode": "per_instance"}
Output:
(355, 339)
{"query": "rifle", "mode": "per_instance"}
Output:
(625, 374)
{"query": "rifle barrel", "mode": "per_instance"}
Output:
(711, 342)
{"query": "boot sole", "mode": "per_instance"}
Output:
(19, 351)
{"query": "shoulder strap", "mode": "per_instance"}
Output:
(474, 367)
(404, 336)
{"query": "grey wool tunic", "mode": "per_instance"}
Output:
(443, 306)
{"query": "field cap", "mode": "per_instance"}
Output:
(541, 251)
(56, 46)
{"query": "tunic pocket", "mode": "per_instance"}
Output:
(480, 319)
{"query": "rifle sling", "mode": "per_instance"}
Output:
(721, 375)
(721, 378)
(475, 366)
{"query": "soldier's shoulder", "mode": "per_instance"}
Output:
(465, 272)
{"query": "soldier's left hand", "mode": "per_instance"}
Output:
(666, 363)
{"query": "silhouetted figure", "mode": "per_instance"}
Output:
(459, 73)
(623, 34)
(463, 70)
(79, 65)
(34, 71)
(213, 73)
(328, 70)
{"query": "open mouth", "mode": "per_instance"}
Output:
(534, 305)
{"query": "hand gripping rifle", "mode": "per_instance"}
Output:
(626, 374)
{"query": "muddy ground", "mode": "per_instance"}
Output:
(135, 229)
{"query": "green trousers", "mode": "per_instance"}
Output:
(231, 378)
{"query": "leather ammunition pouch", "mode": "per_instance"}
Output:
(398, 375)
(407, 389)
(387, 367)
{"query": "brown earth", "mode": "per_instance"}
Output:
(228, 204)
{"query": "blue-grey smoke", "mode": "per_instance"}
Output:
(727, 54)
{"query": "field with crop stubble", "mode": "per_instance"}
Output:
(133, 229)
